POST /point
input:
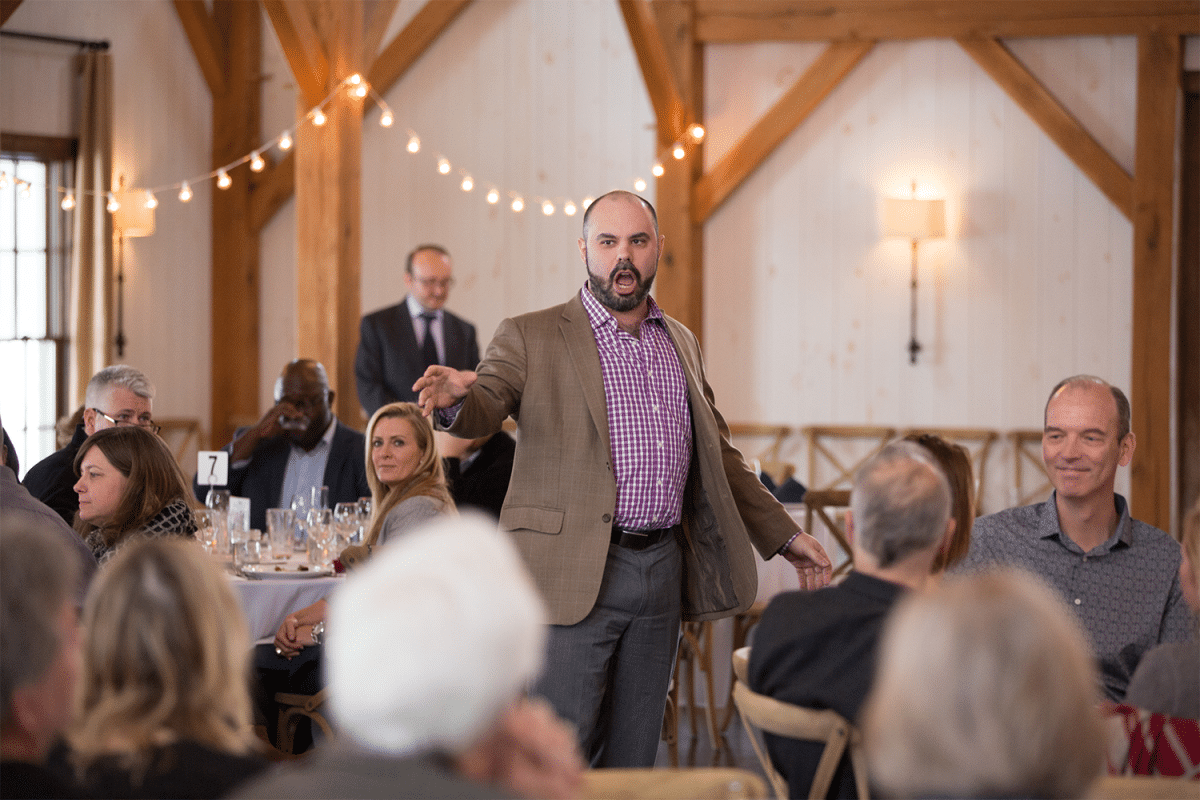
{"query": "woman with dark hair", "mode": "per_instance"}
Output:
(129, 484)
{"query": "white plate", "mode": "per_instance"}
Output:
(281, 572)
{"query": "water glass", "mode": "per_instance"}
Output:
(281, 530)
(236, 523)
(319, 497)
(249, 550)
(208, 528)
(320, 541)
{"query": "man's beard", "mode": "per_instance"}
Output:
(603, 290)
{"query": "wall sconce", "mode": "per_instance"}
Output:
(132, 219)
(915, 220)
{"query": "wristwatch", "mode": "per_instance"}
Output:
(318, 631)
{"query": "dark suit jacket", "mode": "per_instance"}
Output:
(52, 480)
(543, 369)
(818, 649)
(484, 483)
(388, 361)
(262, 479)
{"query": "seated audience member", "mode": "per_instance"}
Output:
(817, 649)
(16, 501)
(408, 488)
(39, 654)
(985, 688)
(129, 484)
(431, 644)
(1167, 680)
(478, 471)
(116, 396)
(298, 445)
(164, 709)
(955, 462)
(1121, 576)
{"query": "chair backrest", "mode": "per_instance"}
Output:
(695, 783)
(761, 714)
(821, 502)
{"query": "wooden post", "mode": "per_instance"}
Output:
(1159, 64)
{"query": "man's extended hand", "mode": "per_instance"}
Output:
(441, 387)
(811, 563)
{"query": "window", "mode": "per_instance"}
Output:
(35, 251)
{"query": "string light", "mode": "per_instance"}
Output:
(678, 152)
(414, 143)
(657, 169)
(185, 192)
(547, 208)
(518, 204)
(696, 131)
(113, 204)
(443, 166)
(386, 119)
(257, 164)
(23, 188)
(3, 180)
(285, 142)
(569, 208)
(639, 185)
(318, 118)
(467, 184)
(223, 179)
(587, 201)
(68, 201)
(151, 200)
(493, 196)
(354, 80)
(360, 91)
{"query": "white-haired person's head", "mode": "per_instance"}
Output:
(433, 639)
(985, 687)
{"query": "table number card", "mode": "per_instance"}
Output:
(212, 468)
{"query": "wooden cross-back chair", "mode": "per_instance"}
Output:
(770, 458)
(182, 436)
(1032, 485)
(978, 442)
(823, 459)
(766, 714)
(825, 504)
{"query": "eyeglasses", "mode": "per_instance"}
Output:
(126, 420)
(430, 283)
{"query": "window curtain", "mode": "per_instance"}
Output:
(91, 281)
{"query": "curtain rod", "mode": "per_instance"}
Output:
(100, 45)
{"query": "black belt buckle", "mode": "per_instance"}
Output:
(638, 540)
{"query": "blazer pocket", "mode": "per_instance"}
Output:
(532, 518)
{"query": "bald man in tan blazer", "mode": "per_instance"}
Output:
(544, 369)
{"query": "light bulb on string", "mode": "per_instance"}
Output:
(318, 118)
(678, 152)
(113, 204)
(518, 204)
(3, 180)
(257, 164)
(285, 142)
(360, 90)
(696, 132)
(68, 201)
(151, 200)
(185, 192)
(467, 184)
(355, 79)
(443, 166)
(547, 208)
(386, 119)
(587, 201)
(639, 185)
(658, 169)
(414, 144)
(23, 188)
(223, 179)
(493, 196)
(569, 208)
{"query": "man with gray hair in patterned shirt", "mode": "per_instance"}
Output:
(1121, 576)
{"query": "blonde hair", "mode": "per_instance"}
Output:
(1189, 540)
(428, 477)
(165, 657)
(985, 688)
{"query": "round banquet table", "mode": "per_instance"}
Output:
(266, 601)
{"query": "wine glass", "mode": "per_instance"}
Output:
(346, 524)
(301, 503)
(320, 536)
(217, 499)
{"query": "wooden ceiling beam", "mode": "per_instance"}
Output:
(812, 20)
(7, 7)
(379, 14)
(655, 63)
(208, 46)
(301, 46)
(776, 125)
(272, 188)
(1056, 121)
(412, 42)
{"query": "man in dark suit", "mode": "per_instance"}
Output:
(478, 470)
(818, 649)
(397, 343)
(297, 445)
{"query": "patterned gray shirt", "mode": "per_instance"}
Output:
(1126, 591)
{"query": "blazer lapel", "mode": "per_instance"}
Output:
(577, 333)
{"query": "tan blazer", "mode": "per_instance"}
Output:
(543, 369)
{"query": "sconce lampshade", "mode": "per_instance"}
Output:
(914, 219)
(133, 219)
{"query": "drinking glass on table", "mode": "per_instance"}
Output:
(345, 525)
(217, 499)
(281, 531)
(301, 503)
(319, 497)
(208, 528)
(320, 537)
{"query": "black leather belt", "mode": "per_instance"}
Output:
(640, 540)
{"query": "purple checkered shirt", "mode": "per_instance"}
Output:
(649, 420)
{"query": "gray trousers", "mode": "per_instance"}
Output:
(608, 674)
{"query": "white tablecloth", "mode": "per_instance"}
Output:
(267, 601)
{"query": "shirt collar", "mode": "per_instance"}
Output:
(415, 309)
(1050, 529)
(601, 317)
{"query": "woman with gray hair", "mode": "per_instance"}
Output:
(986, 687)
